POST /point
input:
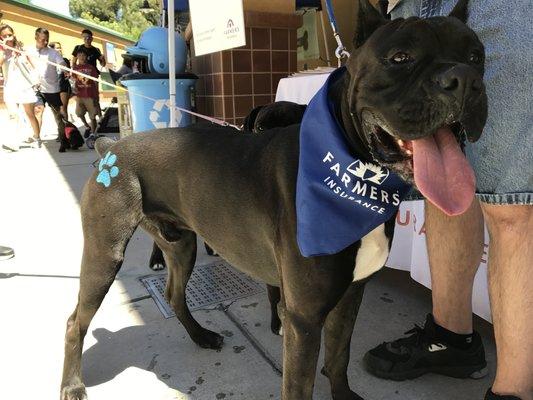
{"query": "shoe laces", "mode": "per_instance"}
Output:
(419, 336)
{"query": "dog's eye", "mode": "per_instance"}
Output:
(259, 128)
(401, 58)
(475, 57)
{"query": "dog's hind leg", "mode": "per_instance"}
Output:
(157, 261)
(274, 296)
(180, 256)
(109, 220)
(338, 331)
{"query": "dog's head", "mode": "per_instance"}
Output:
(416, 94)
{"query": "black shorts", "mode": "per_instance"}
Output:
(52, 99)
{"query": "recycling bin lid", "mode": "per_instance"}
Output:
(136, 76)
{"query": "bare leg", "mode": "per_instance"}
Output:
(93, 124)
(38, 112)
(30, 111)
(83, 120)
(455, 246)
(511, 280)
(64, 104)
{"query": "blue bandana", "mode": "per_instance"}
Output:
(339, 198)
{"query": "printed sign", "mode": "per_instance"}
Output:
(217, 25)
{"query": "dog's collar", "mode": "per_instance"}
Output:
(339, 197)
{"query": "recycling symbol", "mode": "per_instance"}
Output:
(160, 114)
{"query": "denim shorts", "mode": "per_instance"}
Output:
(503, 157)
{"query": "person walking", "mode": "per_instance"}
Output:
(19, 87)
(94, 55)
(86, 90)
(65, 90)
(503, 162)
(48, 93)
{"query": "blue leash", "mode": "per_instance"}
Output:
(341, 51)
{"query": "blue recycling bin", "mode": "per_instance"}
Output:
(152, 112)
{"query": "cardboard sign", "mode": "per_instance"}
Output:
(217, 25)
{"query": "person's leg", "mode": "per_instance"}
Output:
(38, 112)
(64, 104)
(8, 138)
(92, 111)
(446, 344)
(30, 112)
(511, 296)
(455, 247)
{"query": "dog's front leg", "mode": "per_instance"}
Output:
(301, 345)
(338, 331)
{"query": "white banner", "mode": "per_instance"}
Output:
(217, 25)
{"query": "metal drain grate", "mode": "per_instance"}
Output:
(209, 284)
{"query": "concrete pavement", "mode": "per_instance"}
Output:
(131, 351)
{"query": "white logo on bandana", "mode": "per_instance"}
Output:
(368, 172)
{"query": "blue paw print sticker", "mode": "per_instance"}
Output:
(107, 169)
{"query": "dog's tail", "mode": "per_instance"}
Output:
(103, 144)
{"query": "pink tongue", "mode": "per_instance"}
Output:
(442, 173)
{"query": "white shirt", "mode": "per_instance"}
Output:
(48, 73)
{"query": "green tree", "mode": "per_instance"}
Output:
(123, 16)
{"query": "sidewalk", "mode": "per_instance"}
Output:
(131, 351)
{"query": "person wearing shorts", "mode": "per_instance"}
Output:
(43, 57)
(18, 88)
(93, 55)
(503, 162)
(86, 90)
(65, 90)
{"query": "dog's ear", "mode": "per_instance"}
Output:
(249, 121)
(368, 19)
(460, 11)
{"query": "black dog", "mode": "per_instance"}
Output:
(408, 81)
(73, 135)
(274, 115)
(261, 118)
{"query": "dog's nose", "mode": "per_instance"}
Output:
(459, 80)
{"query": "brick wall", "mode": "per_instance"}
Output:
(232, 82)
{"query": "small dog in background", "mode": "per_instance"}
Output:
(73, 135)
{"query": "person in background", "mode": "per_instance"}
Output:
(93, 55)
(42, 56)
(126, 68)
(18, 87)
(86, 90)
(65, 90)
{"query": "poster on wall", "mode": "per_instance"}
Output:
(307, 37)
(217, 25)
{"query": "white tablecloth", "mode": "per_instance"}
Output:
(409, 246)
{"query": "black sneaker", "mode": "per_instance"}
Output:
(492, 396)
(423, 352)
(6, 253)
(87, 133)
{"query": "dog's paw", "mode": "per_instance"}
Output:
(349, 395)
(275, 327)
(210, 340)
(74, 392)
(157, 267)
